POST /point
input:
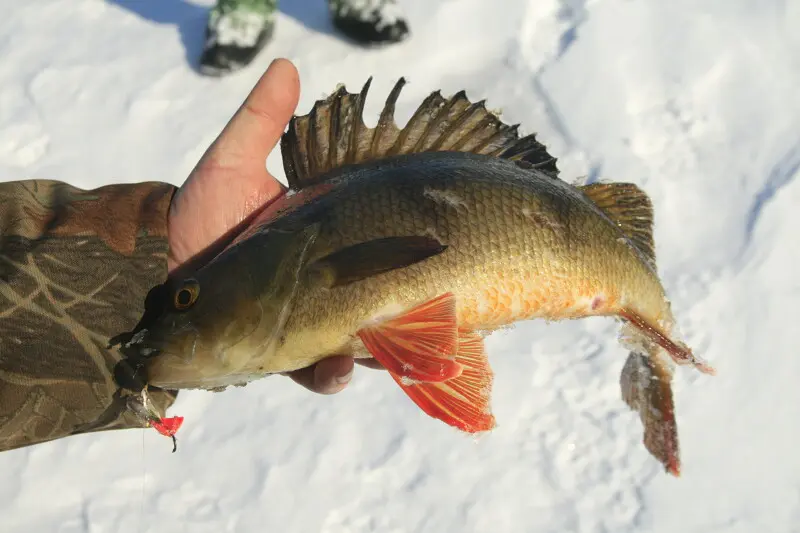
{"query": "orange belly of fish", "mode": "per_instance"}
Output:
(435, 354)
(511, 300)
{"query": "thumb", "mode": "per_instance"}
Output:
(255, 129)
(230, 181)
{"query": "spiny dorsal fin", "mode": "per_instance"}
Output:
(630, 208)
(333, 134)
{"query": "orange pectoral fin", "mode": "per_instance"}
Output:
(420, 343)
(463, 401)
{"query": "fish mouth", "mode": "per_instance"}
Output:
(130, 372)
(145, 344)
(151, 350)
(149, 343)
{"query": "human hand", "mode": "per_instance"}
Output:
(230, 184)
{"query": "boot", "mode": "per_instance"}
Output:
(369, 22)
(236, 32)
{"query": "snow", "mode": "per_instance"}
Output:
(696, 102)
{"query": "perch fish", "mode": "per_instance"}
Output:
(408, 245)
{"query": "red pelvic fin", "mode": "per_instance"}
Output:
(464, 401)
(420, 343)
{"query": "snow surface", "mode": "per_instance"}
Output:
(696, 101)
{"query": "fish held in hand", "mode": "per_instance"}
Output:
(407, 245)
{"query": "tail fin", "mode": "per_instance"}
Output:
(646, 383)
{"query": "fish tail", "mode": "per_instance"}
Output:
(646, 383)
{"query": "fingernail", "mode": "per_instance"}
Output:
(345, 379)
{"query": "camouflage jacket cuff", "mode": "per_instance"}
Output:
(75, 269)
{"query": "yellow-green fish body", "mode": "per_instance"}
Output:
(519, 245)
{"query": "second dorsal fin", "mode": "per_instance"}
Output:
(333, 134)
(630, 209)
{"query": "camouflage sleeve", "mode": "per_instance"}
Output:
(75, 269)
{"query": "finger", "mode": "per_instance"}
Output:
(370, 363)
(231, 183)
(329, 376)
(257, 126)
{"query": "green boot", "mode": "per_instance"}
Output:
(236, 32)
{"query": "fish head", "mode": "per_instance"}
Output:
(200, 316)
(210, 324)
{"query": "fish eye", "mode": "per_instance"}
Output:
(187, 295)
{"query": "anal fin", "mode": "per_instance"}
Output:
(464, 401)
(418, 344)
(647, 389)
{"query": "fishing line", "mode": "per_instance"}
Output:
(144, 484)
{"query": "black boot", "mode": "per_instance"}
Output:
(369, 22)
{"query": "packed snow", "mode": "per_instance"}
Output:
(695, 101)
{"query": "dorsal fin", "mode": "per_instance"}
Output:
(630, 208)
(333, 134)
